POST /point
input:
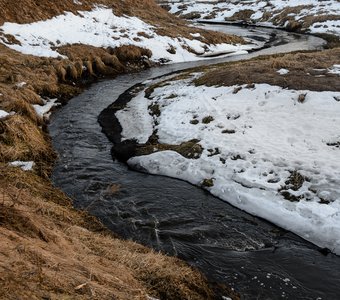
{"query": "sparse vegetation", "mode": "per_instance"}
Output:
(208, 182)
(264, 69)
(207, 119)
(294, 182)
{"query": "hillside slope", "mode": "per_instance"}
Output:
(48, 250)
(296, 15)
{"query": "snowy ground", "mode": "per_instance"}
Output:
(265, 12)
(265, 151)
(101, 28)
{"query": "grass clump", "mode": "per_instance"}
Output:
(21, 139)
(190, 149)
(207, 119)
(208, 183)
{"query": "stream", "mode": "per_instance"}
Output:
(258, 259)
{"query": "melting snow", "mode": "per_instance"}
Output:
(3, 114)
(215, 10)
(43, 110)
(24, 165)
(283, 71)
(101, 28)
(257, 141)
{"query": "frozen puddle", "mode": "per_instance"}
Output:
(264, 149)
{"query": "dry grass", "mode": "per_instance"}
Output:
(190, 149)
(131, 53)
(48, 250)
(52, 251)
(21, 139)
(242, 15)
(301, 66)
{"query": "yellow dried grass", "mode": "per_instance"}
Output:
(55, 251)
(21, 139)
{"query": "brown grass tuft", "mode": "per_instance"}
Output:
(89, 69)
(21, 139)
(99, 67)
(131, 53)
(22, 108)
(72, 72)
(113, 62)
(242, 15)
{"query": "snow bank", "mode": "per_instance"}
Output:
(257, 143)
(101, 28)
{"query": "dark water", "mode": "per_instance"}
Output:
(259, 259)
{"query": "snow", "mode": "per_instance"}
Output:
(216, 10)
(20, 85)
(24, 165)
(258, 139)
(43, 110)
(101, 28)
(335, 70)
(136, 109)
(283, 71)
(3, 114)
(329, 26)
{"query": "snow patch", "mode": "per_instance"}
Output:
(101, 28)
(335, 70)
(3, 114)
(43, 110)
(264, 152)
(24, 165)
(283, 71)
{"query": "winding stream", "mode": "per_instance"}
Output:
(259, 259)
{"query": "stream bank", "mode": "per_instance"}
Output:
(229, 246)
